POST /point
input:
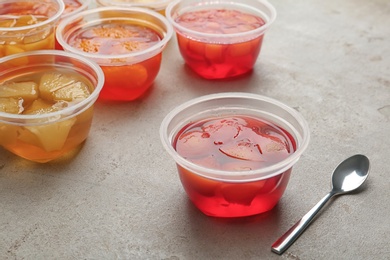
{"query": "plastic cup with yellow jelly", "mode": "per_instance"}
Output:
(156, 5)
(127, 43)
(46, 102)
(28, 25)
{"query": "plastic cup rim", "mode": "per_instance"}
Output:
(255, 32)
(235, 176)
(151, 49)
(52, 19)
(157, 5)
(90, 99)
(83, 6)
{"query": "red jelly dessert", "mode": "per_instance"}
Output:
(234, 144)
(214, 58)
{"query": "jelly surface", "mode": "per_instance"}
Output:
(234, 144)
(114, 38)
(219, 21)
(38, 92)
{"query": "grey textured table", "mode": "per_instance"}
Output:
(120, 197)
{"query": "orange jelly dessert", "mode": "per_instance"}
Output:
(38, 92)
(27, 26)
(233, 144)
(123, 81)
(212, 57)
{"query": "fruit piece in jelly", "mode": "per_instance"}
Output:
(12, 49)
(240, 165)
(26, 20)
(242, 193)
(51, 136)
(28, 91)
(41, 106)
(56, 86)
(135, 73)
(214, 52)
(11, 105)
(243, 149)
(240, 49)
(209, 161)
(223, 130)
(199, 184)
(195, 143)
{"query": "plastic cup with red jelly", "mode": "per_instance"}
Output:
(127, 43)
(220, 39)
(234, 151)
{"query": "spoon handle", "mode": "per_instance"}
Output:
(286, 240)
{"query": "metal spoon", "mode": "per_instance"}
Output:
(348, 176)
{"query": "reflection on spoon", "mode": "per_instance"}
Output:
(348, 176)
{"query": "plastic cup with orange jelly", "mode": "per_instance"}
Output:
(27, 25)
(234, 151)
(156, 5)
(220, 39)
(46, 102)
(126, 42)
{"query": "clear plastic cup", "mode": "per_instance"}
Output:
(72, 7)
(220, 39)
(104, 35)
(234, 169)
(46, 102)
(27, 25)
(75, 6)
(156, 5)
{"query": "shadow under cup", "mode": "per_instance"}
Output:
(47, 127)
(235, 193)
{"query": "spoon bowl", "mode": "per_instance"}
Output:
(347, 176)
(350, 174)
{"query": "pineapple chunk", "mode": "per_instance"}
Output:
(55, 86)
(40, 106)
(28, 91)
(52, 136)
(11, 105)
